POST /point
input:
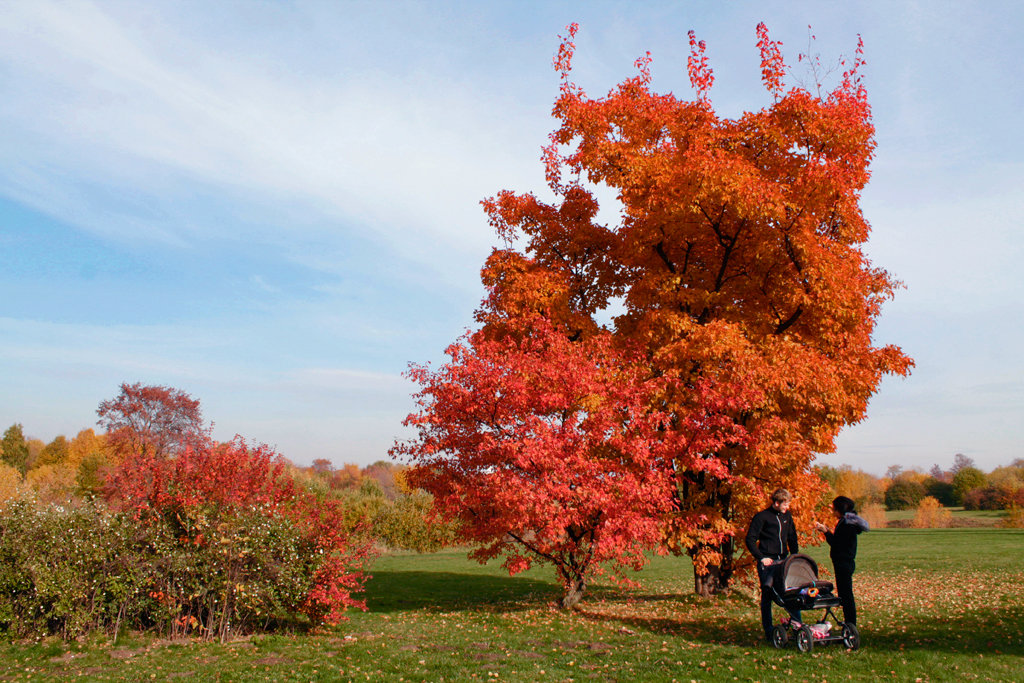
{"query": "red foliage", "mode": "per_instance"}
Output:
(153, 420)
(237, 477)
(543, 449)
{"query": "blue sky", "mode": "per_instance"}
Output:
(274, 206)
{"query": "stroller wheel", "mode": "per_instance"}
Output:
(779, 636)
(851, 636)
(804, 639)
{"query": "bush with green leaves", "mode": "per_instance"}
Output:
(408, 524)
(904, 494)
(68, 571)
(966, 480)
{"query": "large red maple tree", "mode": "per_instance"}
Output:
(741, 296)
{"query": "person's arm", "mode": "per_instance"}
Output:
(794, 544)
(756, 524)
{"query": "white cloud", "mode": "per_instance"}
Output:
(103, 104)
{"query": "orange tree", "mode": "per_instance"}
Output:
(736, 274)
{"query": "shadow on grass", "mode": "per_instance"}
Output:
(399, 591)
(970, 634)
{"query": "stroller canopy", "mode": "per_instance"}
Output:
(798, 570)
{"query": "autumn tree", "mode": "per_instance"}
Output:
(152, 420)
(542, 448)
(322, 467)
(11, 483)
(87, 443)
(734, 281)
(960, 462)
(54, 453)
(965, 480)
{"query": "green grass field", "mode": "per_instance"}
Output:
(935, 605)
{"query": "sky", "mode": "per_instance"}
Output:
(275, 206)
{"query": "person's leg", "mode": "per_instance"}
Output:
(766, 611)
(764, 577)
(844, 587)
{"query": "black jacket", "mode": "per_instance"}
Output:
(772, 534)
(843, 541)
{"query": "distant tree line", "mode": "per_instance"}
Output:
(963, 484)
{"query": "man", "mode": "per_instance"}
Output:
(770, 539)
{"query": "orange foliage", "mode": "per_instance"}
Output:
(744, 289)
(931, 515)
(874, 513)
(11, 484)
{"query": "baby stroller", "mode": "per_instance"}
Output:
(795, 586)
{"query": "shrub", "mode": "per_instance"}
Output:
(903, 494)
(930, 515)
(985, 498)
(68, 571)
(1014, 518)
(966, 480)
(250, 542)
(875, 515)
(408, 525)
(211, 542)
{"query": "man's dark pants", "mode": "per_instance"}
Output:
(766, 575)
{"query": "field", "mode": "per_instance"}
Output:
(935, 605)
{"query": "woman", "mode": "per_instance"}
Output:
(843, 542)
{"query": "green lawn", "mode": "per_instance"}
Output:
(935, 605)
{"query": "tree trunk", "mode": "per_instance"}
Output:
(707, 585)
(717, 578)
(573, 593)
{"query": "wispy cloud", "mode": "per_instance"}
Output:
(100, 105)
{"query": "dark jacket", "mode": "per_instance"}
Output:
(843, 541)
(772, 534)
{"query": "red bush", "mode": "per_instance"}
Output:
(226, 479)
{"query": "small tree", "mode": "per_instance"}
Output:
(12, 485)
(54, 453)
(930, 515)
(903, 494)
(961, 462)
(965, 480)
(541, 449)
(152, 420)
(13, 448)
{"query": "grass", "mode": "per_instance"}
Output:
(935, 605)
